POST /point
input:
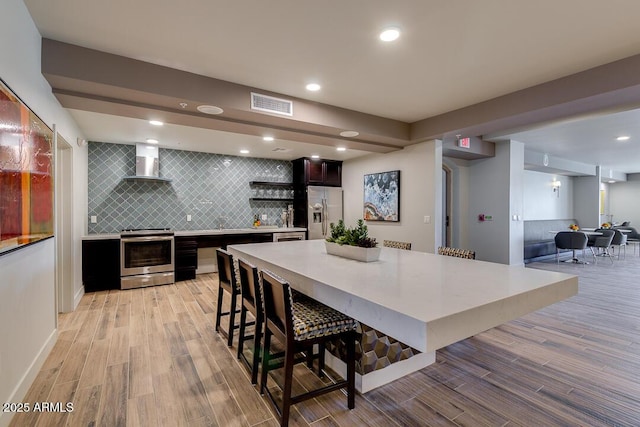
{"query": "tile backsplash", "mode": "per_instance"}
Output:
(213, 188)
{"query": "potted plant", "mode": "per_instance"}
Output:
(352, 243)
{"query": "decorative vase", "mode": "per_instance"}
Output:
(353, 252)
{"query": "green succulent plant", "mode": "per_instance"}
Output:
(356, 236)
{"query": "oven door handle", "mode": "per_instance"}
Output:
(146, 239)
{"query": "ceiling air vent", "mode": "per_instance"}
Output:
(269, 104)
(281, 150)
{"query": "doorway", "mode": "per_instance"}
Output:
(446, 206)
(64, 224)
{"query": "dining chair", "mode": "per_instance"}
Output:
(298, 326)
(227, 281)
(602, 243)
(619, 241)
(572, 240)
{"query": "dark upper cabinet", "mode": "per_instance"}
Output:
(317, 172)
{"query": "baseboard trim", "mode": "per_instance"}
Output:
(77, 297)
(29, 376)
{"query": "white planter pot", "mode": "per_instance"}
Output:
(353, 252)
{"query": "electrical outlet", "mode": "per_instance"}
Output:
(264, 217)
(188, 218)
(94, 219)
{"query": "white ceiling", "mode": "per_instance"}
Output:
(452, 53)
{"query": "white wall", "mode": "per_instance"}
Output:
(541, 202)
(27, 276)
(420, 168)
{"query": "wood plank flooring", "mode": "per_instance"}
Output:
(151, 357)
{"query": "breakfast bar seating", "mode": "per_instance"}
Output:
(227, 281)
(299, 326)
(460, 298)
(251, 303)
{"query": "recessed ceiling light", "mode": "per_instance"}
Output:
(349, 133)
(210, 109)
(341, 149)
(315, 156)
(156, 122)
(267, 138)
(389, 34)
(152, 141)
(622, 138)
(313, 87)
(243, 151)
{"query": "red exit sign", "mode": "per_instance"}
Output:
(464, 142)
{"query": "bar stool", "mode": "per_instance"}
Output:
(396, 244)
(298, 326)
(251, 302)
(227, 282)
(455, 252)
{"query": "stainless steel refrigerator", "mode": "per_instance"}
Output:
(324, 206)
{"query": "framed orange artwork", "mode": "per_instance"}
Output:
(26, 174)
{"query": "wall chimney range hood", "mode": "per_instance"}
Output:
(147, 164)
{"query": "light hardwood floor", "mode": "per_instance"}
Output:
(151, 357)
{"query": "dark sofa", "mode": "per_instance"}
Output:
(539, 242)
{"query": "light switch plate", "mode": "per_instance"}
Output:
(188, 218)
(264, 217)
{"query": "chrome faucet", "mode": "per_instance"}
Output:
(221, 222)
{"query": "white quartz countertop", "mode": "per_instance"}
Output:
(239, 231)
(415, 286)
(179, 233)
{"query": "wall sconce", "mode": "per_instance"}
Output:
(556, 187)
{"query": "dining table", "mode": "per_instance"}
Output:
(424, 300)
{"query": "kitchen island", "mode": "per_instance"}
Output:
(424, 300)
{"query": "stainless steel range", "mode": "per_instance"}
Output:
(147, 258)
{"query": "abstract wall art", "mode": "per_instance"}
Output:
(382, 196)
(26, 174)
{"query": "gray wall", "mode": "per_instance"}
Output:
(624, 200)
(495, 188)
(212, 188)
(541, 202)
(586, 200)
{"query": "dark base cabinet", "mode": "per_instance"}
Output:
(187, 249)
(100, 264)
(186, 258)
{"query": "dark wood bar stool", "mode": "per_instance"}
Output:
(252, 303)
(298, 326)
(227, 282)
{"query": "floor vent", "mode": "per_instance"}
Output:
(269, 104)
